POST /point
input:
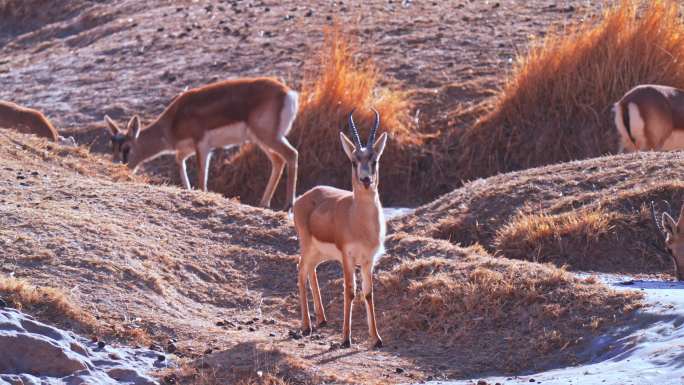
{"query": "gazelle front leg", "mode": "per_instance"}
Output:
(349, 292)
(181, 159)
(367, 287)
(203, 158)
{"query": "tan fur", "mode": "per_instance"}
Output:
(347, 226)
(26, 120)
(674, 239)
(656, 119)
(220, 115)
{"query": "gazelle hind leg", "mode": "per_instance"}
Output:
(303, 299)
(203, 159)
(367, 287)
(316, 293)
(277, 167)
(349, 293)
(181, 159)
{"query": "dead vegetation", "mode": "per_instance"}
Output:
(338, 82)
(47, 303)
(153, 263)
(589, 215)
(556, 105)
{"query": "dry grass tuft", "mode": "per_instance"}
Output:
(557, 104)
(339, 82)
(511, 315)
(45, 303)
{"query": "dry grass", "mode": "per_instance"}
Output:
(47, 303)
(589, 215)
(556, 106)
(339, 83)
(481, 313)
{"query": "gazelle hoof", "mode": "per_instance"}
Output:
(307, 331)
(346, 344)
(378, 344)
(322, 324)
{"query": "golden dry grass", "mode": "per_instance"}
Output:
(556, 105)
(47, 303)
(339, 83)
(589, 215)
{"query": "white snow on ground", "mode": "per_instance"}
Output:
(395, 212)
(650, 350)
(32, 352)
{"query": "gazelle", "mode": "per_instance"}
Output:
(650, 117)
(346, 226)
(222, 114)
(672, 234)
(26, 120)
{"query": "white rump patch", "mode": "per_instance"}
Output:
(289, 112)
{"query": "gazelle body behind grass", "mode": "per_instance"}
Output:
(650, 117)
(346, 226)
(26, 120)
(672, 234)
(223, 114)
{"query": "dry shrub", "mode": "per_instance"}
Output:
(615, 234)
(557, 104)
(338, 83)
(45, 303)
(491, 313)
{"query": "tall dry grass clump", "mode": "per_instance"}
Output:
(338, 83)
(556, 105)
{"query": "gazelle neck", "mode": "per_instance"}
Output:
(151, 143)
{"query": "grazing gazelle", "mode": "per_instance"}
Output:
(346, 226)
(26, 120)
(650, 117)
(672, 233)
(231, 112)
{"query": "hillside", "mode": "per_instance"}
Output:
(590, 215)
(152, 263)
(79, 60)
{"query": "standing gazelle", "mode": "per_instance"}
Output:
(650, 117)
(223, 114)
(672, 234)
(347, 226)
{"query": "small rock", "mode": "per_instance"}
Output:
(100, 344)
(334, 346)
(2, 303)
(251, 329)
(400, 370)
(208, 351)
(309, 13)
(171, 347)
(220, 323)
(301, 345)
(296, 335)
(161, 357)
(532, 380)
(482, 382)
(271, 334)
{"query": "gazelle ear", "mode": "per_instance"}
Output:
(347, 145)
(133, 128)
(669, 225)
(111, 126)
(379, 145)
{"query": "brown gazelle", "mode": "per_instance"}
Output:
(223, 114)
(26, 120)
(347, 226)
(672, 234)
(650, 117)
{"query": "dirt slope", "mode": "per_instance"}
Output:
(157, 262)
(121, 57)
(592, 214)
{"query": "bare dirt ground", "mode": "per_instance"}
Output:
(151, 263)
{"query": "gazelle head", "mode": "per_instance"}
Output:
(123, 140)
(365, 159)
(673, 235)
